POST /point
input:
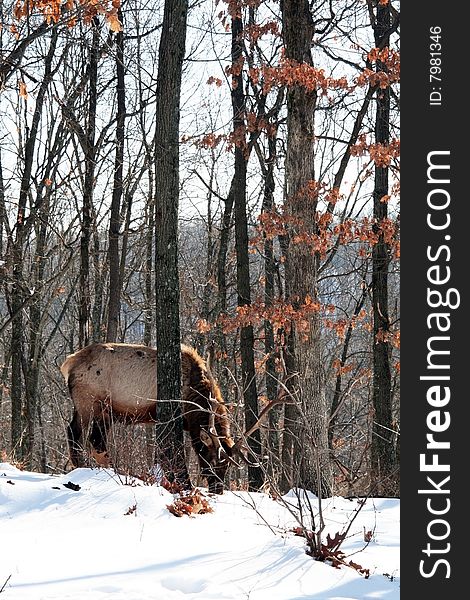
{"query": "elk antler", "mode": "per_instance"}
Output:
(210, 437)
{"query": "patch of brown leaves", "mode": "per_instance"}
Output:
(190, 503)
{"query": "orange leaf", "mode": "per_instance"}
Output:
(114, 23)
(23, 90)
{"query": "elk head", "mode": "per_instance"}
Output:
(222, 452)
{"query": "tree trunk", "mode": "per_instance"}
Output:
(307, 381)
(383, 459)
(89, 184)
(128, 200)
(149, 294)
(169, 431)
(100, 271)
(250, 394)
(115, 283)
(3, 212)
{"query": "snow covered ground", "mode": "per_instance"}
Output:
(60, 543)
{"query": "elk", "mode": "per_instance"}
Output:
(118, 382)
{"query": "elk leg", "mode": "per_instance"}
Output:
(97, 438)
(214, 484)
(215, 478)
(74, 438)
(214, 475)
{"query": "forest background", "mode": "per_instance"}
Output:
(221, 173)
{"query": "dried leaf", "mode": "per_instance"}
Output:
(192, 503)
(23, 90)
(360, 569)
(334, 544)
(114, 23)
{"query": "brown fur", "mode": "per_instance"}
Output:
(119, 382)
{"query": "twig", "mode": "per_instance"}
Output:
(5, 583)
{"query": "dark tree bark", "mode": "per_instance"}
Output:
(115, 283)
(100, 273)
(16, 391)
(169, 433)
(304, 347)
(3, 212)
(149, 291)
(250, 394)
(383, 457)
(89, 185)
(128, 201)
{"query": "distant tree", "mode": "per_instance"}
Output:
(286, 257)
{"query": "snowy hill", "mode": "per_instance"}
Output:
(116, 540)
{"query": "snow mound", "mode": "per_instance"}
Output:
(93, 535)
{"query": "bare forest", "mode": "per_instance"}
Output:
(218, 173)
